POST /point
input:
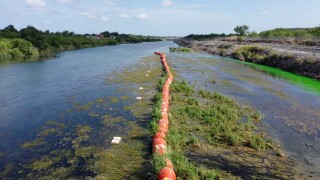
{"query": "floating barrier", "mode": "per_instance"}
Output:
(159, 144)
(167, 173)
(159, 135)
(169, 164)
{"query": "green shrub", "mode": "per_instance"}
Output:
(15, 52)
(252, 53)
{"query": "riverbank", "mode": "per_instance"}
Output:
(301, 60)
(31, 42)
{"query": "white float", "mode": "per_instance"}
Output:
(116, 140)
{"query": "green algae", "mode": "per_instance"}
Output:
(43, 164)
(107, 120)
(64, 159)
(48, 132)
(34, 143)
(114, 100)
(84, 107)
(100, 100)
(93, 115)
(125, 98)
(305, 83)
(8, 169)
(123, 160)
(214, 121)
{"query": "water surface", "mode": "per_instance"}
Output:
(72, 89)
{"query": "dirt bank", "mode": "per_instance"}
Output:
(298, 59)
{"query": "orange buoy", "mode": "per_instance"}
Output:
(165, 90)
(164, 109)
(159, 141)
(164, 121)
(169, 164)
(159, 135)
(167, 174)
(164, 105)
(159, 146)
(165, 95)
(164, 115)
(163, 130)
(163, 125)
(165, 101)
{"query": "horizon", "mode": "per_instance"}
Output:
(158, 18)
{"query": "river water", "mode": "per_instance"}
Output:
(34, 93)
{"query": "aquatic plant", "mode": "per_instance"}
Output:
(180, 49)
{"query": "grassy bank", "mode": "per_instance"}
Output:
(294, 36)
(203, 123)
(306, 66)
(180, 49)
(296, 63)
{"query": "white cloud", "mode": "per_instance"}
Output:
(36, 4)
(104, 19)
(142, 16)
(123, 15)
(110, 2)
(64, 1)
(47, 22)
(264, 13)
(89, 14)
(166, 3)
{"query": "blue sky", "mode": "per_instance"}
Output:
(159, 17)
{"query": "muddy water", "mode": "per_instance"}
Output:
(289, 103)
(56, 115)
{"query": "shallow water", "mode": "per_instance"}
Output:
(290, 103)
(75, 89)
(71, 89)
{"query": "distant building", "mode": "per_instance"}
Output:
(99, 36)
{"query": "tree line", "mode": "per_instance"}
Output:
(298, 34)
(30, 41)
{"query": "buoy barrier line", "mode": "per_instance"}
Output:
(159, 144)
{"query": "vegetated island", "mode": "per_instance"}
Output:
(31, 42)
(296, 50)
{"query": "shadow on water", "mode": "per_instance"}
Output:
(6, 61)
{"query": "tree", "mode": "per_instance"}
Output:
(11, 28)
(9, 32)
(242, 30)
(35, 36)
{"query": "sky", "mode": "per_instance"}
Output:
(159, 17)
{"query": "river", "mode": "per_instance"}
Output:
(60, 89)
(35, 93)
